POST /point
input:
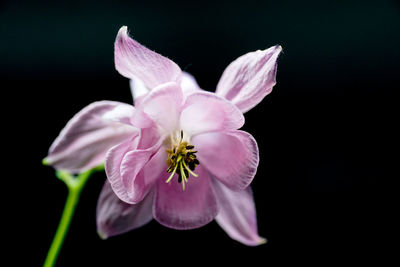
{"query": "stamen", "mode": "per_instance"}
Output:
(174, 171)
(192, 166)
(183, 171)
(172, 174)
(181, 155)
(186, 167)
(183, 176)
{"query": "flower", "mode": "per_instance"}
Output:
(177, 155)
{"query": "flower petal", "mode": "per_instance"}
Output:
(204, 112)
(142, 180)
(232, 157)
(133, 60)
(138, 90)
(188, 84)
(116, 217)
(237, 215)
(163, 106)
(123, 164)
(148, 137)
(112, 167)
(185, 209)
(248, 79)
(84, 141)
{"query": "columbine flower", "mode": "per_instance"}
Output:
(177, 156)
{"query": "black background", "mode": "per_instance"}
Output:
(324, 186)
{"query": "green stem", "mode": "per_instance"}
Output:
(75, 186)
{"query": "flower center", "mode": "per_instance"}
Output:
(181, 160)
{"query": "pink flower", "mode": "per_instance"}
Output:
(178, 156)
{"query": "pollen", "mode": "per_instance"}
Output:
(181, 160)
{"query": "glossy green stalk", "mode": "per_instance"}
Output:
(75, 185)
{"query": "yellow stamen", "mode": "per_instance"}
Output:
(189, 170)
(172, 174)
(184, 179)
(181, 153)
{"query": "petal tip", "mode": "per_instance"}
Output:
(45, 162)
(122, 34)
(255, 242)
(102, 235)
(278, 48)
(262, 241)
(123, 30)
(133, 60)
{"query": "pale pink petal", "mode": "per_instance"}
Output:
(141, 119)
(133, 60)
(188, 84)
(84, 141)
(237, 215)
(112, 166)
(116, 217)
(122, 113)
(248, 79)
(142, 179)
(138, 90)
(232, 157)
(148, 137)
(204, 112)
(123, 164)
(185, 209)
(163, 105)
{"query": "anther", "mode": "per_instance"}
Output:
(181, 156)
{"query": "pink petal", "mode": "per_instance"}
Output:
(248, 79)
(138, 90)
(148, 137)
(112, 167)
(142, 180)
(237, 215)
(204, 112)
(163, 106)
(232, 157)
(125, 165)
(116, 217)
(189, 84)
(142, 120)
(84, 141)
(185, 209)
(133, 60)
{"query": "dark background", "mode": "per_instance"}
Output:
(326, 133)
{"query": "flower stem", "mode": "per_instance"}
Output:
(75, 186)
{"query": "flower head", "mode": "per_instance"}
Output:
(178, 155)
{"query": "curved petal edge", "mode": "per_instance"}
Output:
(237, 214)
(114, 217)
(248, 79)
(84, 141)
(133, 60)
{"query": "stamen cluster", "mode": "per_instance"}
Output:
(182, 156)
